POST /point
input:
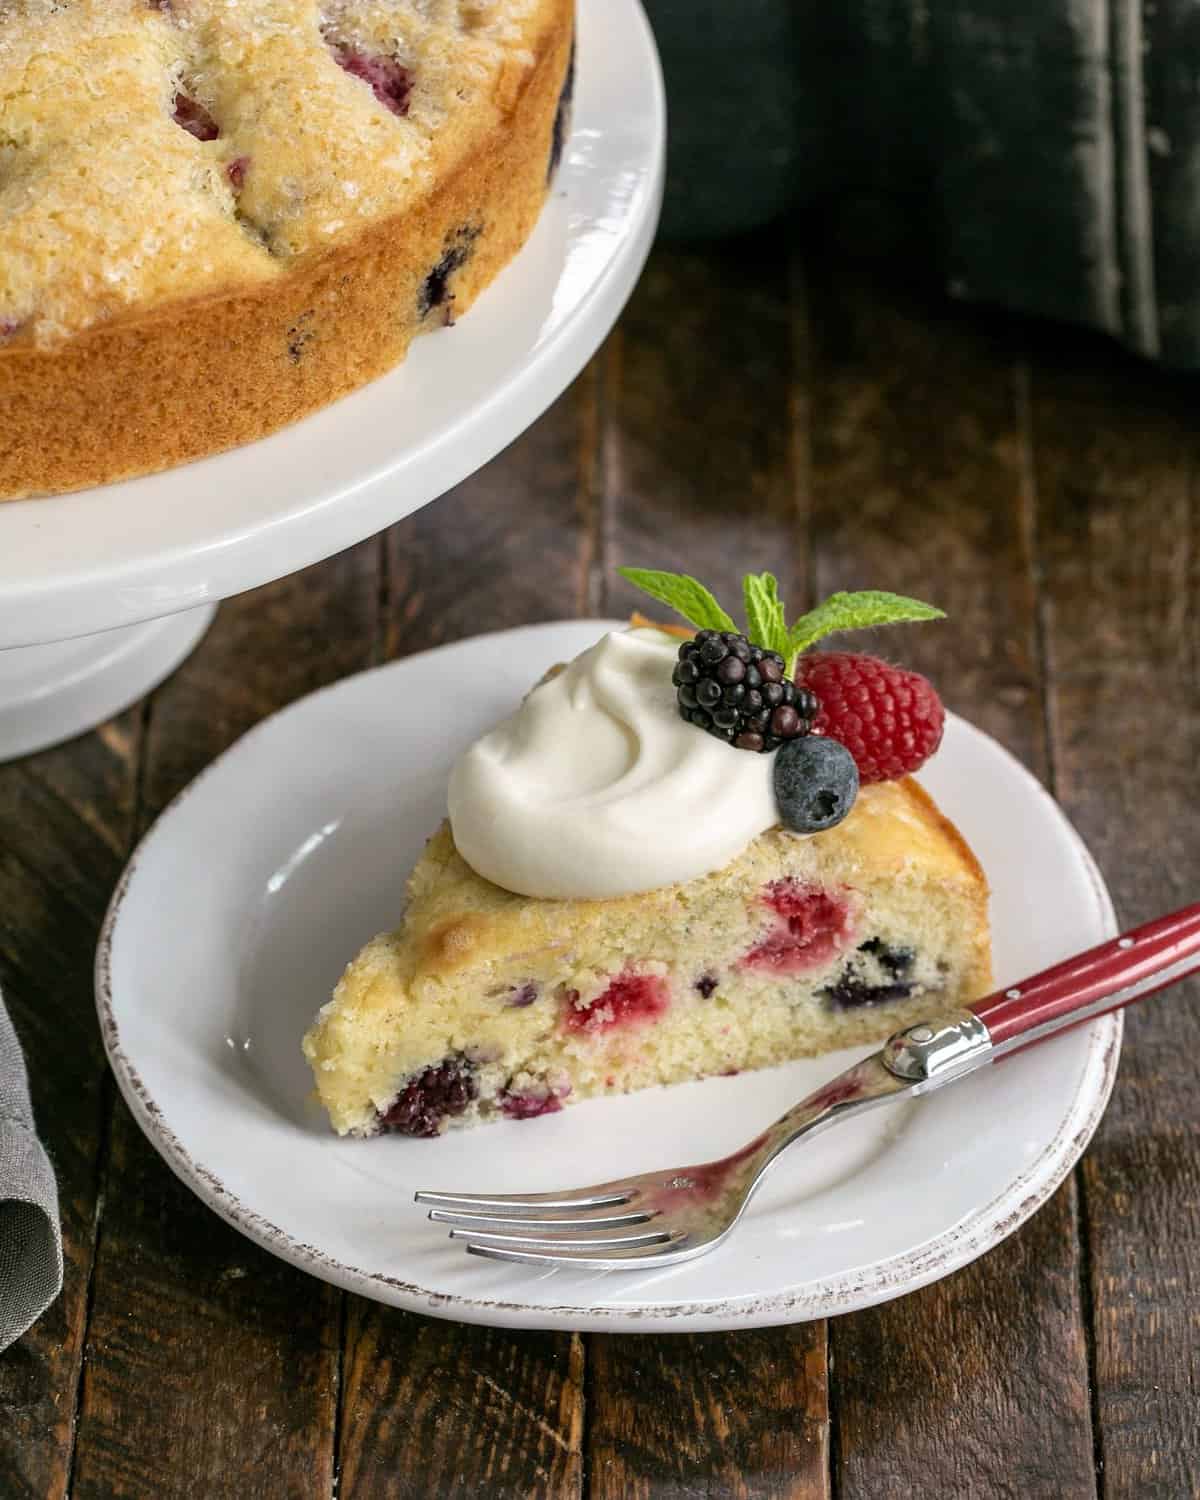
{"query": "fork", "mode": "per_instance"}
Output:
(661, 1218)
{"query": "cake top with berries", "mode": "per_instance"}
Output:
(152, 150)
(649, 761)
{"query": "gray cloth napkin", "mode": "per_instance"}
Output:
(31, 1263)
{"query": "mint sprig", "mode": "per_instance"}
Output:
(857, 611)
(682, 594)
(766, 624)
(765, 619)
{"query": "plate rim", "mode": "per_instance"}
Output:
(979, 1231)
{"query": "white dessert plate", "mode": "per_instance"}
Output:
(94, 561)
(242, 904)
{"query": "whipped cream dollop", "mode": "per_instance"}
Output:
(596, 787)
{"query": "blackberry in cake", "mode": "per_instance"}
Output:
(545, 956)
(219, 215)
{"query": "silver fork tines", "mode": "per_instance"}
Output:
(685, 1210)
(670, 1249)
(535, 1203)
(594, 1243)
(519, 1221)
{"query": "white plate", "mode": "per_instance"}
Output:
(242, 904)
(168, 542)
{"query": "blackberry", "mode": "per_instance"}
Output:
(444, 1089)
(739, 692)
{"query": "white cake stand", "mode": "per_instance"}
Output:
(103, 593)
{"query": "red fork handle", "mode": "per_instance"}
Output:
(1104, 978)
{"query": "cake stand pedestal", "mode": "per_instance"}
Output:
(49, 693)
(104, 593)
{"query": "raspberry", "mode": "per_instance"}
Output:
(889, 719)
(190, 115)
(739, 692)
(391, 82)
(629, 999)
(812, 924)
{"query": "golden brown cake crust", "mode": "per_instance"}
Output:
(192, 377)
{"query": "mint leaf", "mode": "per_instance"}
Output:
(855, 612)
(682, 594)
(765, 622)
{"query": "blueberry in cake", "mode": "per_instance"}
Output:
(640, 882)
(219, 215)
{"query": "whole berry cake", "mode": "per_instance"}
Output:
(641, 882)
(219, 215)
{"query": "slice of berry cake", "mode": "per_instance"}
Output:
(662, 867)
(485, 1004)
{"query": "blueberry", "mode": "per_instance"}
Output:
(816, 782)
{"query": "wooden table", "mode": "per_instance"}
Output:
(750, 411)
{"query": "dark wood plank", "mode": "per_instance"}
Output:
(919, 486)
(1117, 462)
(209, 1362)
(705, 468)
(435, 1408)
(67, 819)
(510, 546)
(734, 1416)
(702, 392)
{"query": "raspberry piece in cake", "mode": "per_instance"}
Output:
(813, 925)
(533, 1100)
(628, 999)
(192, 116)
(389, 81)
